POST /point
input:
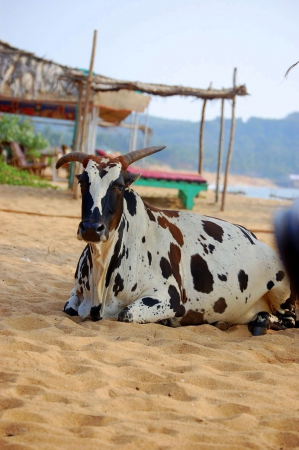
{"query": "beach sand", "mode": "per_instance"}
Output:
(68, 384)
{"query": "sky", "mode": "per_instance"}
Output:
(190, 43)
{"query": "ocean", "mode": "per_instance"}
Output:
(263, 192)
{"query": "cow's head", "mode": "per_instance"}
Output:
(103, 183)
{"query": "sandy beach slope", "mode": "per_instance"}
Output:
(72, 385)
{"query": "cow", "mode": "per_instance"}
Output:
(142, 264)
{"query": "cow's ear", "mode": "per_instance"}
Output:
(130, 178)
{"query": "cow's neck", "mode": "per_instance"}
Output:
(101, 253)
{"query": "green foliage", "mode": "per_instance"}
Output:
(13, 176)
(13, 128)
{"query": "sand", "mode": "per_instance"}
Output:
(68, 384)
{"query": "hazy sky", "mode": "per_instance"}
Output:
(189, 43)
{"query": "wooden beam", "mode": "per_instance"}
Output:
(201, 134)
(87, 92)
(219, 152)
(231, 143)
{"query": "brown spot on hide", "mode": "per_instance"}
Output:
(175, 301)
(134, 288)
(165, 267)
(213, 230)
(270, 285)
(202, 278)
(149, 212)
(131, 201)
(280, 275)
(171, 213)
(174, 230)
(193, 318)
(184, 296)
(171, 266)
(118, 285)
(175, 259)
(222, 277)
(220, 305)
(117, 257)
(243, 280)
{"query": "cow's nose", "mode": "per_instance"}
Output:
(92, 231)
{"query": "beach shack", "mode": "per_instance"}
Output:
(38, 87)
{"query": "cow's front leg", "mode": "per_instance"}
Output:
(84, 299)
(153, 309)
(72, 305)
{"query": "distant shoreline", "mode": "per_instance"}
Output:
(233, 179)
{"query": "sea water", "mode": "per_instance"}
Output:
(262, 192)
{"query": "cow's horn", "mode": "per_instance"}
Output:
(72, 156)
(131, 157)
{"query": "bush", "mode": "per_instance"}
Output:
(13, 176)
(13, 128)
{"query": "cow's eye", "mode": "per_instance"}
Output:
(117, 187)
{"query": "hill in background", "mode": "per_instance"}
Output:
(263, 147)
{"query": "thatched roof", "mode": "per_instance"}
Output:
(23, 75)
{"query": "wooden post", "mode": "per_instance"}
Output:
(231, 143)
(201, 133)
(135, 136)
(85, 112)
(145, 138)
(87, 93)
(78, 118)
(220, 151)
(72, 169)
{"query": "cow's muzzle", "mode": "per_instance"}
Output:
(92, 232)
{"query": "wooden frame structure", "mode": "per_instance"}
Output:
(100, 83)
(23, 75)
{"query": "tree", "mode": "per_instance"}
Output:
(13, 128)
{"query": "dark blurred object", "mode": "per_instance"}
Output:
(286, 226)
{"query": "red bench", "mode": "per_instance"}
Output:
(188, 185)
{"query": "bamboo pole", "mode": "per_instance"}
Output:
(87, 93)
(78, 118)
(201, 133)
(131, 132)
(135, 136)
(145, 138)
(231, 143)
(76, 136)
(219, 152)
(85, 112)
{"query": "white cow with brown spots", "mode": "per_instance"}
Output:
(142, 264)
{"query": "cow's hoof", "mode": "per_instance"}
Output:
(95, 313)
(70, 311)
(258, 331)
(125, 316)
